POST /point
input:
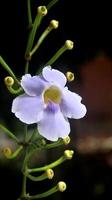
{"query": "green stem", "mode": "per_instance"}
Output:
(56, 55)
(50, 166)
(28, 157)
(39, 178)
(31, 38)
(16, 153)
(45, 194)
(29, 13)
(52, 3)
(41, 39)
(8, 69)
(32, 34)
(48, 146)
(25, 132)
(13, 91)
(41, 12)
(33, 135)
(24, 167)
(54, 145)
(9, 133)
(24, 186)
(26, 67)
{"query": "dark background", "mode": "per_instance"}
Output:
(88, 24)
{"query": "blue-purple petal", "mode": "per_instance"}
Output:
(33, 85)
(54, 76)
(71, 105)
(28, 109)
(53, 125)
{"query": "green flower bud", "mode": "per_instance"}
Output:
(68, 154)
(61, 186)
(54, 24)
(69, 44)
(7, 152)
(43, 142)
(50, 173)
(9, 81)
(70, 76)
(66, 140)
(42, 10)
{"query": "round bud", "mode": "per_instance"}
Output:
(50, 173)
(27, 57)
(7, 152)
(68, 154)
(61, 186)
(9, 81)
(66, 140)
(43, 142)
(42, 10)
(70, 76)
(54, 24)
(69, 44)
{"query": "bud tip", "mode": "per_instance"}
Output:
(68, 154)
(54, 24)
(62, 186)
(50, 173)
(42, 10)
(66, 140)
(70, 76)
(7, 152)
(9, 81)
(69, 44)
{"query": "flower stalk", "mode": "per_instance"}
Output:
(51, 4)
(67, 46)
(15, 91)
(53, 25)
(8, 69)
(53, 164)
(9, 133)
(48, 174)
(54, 144)
(29, 13)
(41, 12)
(61, 186)
(24, 167)
(8, 153)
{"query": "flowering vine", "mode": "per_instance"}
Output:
(43, 100)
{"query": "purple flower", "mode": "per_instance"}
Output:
(49, 103)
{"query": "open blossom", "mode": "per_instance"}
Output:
(48, 103)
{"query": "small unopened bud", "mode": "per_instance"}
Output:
(69, 44)
(43, 142)
(62, 186)
(54, 24)
(27, 57)
(7, 152)
(50, 173)
(66, 140)
(9, 81)
(70, 76)
(68, 154)
(42, 10)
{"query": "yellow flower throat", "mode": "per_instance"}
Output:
(52, 94)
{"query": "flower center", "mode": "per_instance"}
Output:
(52, 94)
